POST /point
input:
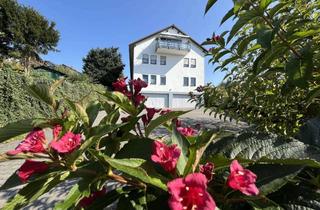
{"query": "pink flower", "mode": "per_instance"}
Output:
(56, 131)
(138, 84)
(207, 170)
(34, 142)
(216, 38)
(138, 99)
(30, 167)
(188, 131)
(166, 156)
(190, 193)
(242, 179)
(146, 118)
(87, 201)
(178, 123)
(120, 85)
(68, 143)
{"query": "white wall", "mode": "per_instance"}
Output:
(173, 70)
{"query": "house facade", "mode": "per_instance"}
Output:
(172, 64)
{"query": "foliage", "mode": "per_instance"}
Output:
(16, 104)
(117, 150)
(25, 33)
(103, 66)
(271, 59)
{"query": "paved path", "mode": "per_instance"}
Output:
(48, 200)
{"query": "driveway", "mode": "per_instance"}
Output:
(48, 200)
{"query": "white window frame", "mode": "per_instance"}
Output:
(186, 65)
(165, 80)
(145, 58)
(153, 59)
(195, 63)
(185, 85)
(195, 81)
(147, 78)
(151, 79)
(163, 60)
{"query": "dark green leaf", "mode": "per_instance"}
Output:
(209, 5)
(228, 15)
(183, 144)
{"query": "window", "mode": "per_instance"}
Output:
(185, 81)
(153, 80)
(193, 63)
(163, 80)
(145, 78)
(153, 59)
(163, 60)
(186, 62)
(145, 58)
(193, 82)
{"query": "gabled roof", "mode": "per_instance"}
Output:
(133, 44)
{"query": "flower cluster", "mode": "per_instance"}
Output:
(121, 86)
(191, 192)
(35, 142)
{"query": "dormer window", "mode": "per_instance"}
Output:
(153, 59)
(193, 63)
(186, 62)
(145, 59)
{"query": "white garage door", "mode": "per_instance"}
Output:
(181, 101)
(157, 100)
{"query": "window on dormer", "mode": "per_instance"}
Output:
(145, 58)
(163, 60)
(193, 63)
(153, 59)
(186, 62)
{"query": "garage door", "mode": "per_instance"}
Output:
(156, 100)
(181, 101)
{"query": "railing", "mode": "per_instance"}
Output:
(173, 45)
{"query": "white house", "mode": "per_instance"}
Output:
(172, 64)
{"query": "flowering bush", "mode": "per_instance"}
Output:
(191, 169)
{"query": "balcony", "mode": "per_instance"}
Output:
(175, 47)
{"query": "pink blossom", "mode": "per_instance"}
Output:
(34, 142)
(56, 131)
(146, 118)
(190, 193)
(67, 144)
(242, 179)
(30, 167)
(120, 85)
(87, 201)
(187, 131)
(138, 99)
(207, 170)
(166, 156)
(138, 84)
(216, 38)
(178, 123)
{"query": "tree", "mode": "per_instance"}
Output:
(25, 33)
(103, 66)
(272, 58)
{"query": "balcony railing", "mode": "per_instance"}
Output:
(173, 45)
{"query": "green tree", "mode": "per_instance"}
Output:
(25, 33)
(271, 56)
(103, 66)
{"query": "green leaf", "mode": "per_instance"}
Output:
(34, 190)
(183, 144)
(162, 119)
(264, 36)
(42, 92)
(92, 111)
(209, 5)
(264, 4)
(79, 110)
(134, 167)
(11, 182)
(243, 45)
(15, 129)
(228, 15)
(136, 148)
(191, 160)
(122, 101)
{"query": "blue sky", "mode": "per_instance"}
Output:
(86, 24)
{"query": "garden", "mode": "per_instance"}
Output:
(271, 57)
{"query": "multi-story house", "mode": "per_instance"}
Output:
(172, 63)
